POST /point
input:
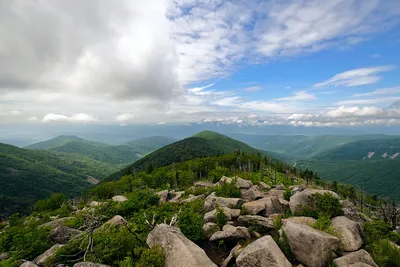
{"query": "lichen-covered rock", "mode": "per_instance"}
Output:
(193, 198)
(312, 247)
(252, 193)
(230, 232)
(203, 184)
(262, 252)
(89, 264)
(211, 216)
(163, 196)
(177, 196)
(44, 257)
(264, 186)
(350, 211)
(56, 223)
(178, 250)
(4, 256)
(119, 198)
(301, 199)
(242, 183)
(265, 206)
(351, 234)
(248, 220)
(301, 219)
(210, 228)
(62, 234)
(28, 264)
(358, 258)
(213, 201)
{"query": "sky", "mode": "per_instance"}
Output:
(311, 63)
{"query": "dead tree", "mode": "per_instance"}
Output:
(153, 223)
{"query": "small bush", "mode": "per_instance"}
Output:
(228, 190)
(385, 253)
(324, 224)
(50, 204)
(142, 199)
(221, 218)
(287, 194)
(191, 224)
(153, 257)
(324, 205)
(244, 211)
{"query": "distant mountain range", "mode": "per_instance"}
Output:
(67, 164)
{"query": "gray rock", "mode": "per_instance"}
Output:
(203, 184)
(28, 264)
(230, 232)
(193, 198)
(242, 183)
(264, 186)
(4, 256)
(51, 252)
(358, 258)
(163, 196)
(311, 247)
(89, 264)
(213, 201)
(280, 187)
(300, 219)
(262, 252)
(234, 252)
(62, 234)
(55, 223)
(351, 234)
(276, 193)
(211, 216)
(298, 188)
(225, 180)
(252, 193)
(177, 196)
(210, 228)
(248, 220)
(266, 206)
(119, 198)
(350, 211)
(178, 250)
(299, 200)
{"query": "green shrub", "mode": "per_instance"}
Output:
(153, 257)
(142, 199)
(287, 194)
(324, 224)
(323, 205)
(221, 217)
(191, 224)
(385, 254)
(228, 190)
(244, 211)
(50, 204)
(375, 230)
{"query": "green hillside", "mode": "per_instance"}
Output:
(360, 149)
(27, 175)
(203, 144)
(379, 177)
(120, 154)
(303, 145)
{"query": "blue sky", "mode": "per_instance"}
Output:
(302, 63)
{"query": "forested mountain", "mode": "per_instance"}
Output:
(368, 149)
(115, 154)
(200, 145)
(303, 145)
(27, 175)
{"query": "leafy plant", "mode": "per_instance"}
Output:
(228, 190)
(325, 205)
(287, 194)
(324, 224)
(221, 217)
(153, 257)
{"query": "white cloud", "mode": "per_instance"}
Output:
(366, 101)
(382, 91)
(299, 96)
(125, 117)
(355, 77)
(228, 101)
(80, 117)
(33, 119)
